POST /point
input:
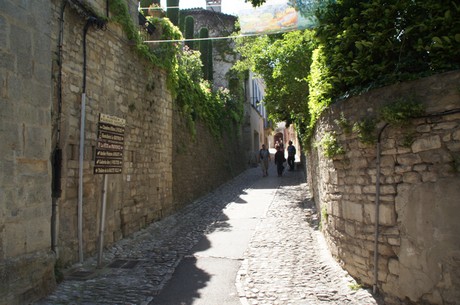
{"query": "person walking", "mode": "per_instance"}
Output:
(291, 156)
(264, 158)
(279, 160)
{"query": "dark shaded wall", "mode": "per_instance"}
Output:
(203, 162)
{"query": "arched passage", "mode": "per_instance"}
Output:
(279, 139)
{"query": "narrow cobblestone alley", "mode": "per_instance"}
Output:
(286, 260)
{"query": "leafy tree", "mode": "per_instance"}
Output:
(283, 61)
(189, 29)
(206, 54)
(145, 3)
(173, 11)
(358, 45)
(256, 3)
(374, 43)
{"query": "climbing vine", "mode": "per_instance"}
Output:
(163, 56)
(219, 109)
(194, 96)
(400, 111)
(330, 145)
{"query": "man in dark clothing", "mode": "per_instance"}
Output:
(279, 160)
(264, 158)
(291, 155)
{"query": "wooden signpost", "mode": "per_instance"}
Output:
(110, 145)
(109, 160)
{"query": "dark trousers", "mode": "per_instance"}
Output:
(290, 161)
(280, 168)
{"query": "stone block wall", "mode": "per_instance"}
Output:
(26, 262)
(119, 83)
(203, 162)
(41, 104)
(418, 244)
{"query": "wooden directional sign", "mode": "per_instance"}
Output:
(110, 145)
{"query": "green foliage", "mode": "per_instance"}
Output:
(324, 214)
(344, 124)
(120, 12)
(166, 54)
(283, 61)
(408, 139)
(210, 69)
(400, 111)
(330, 146)
(374, 43)
(366, 130)
(357, 46)
(219, 110)
(320, 85)
(190, 63)
(355, 286)
(206, 54)
(163, 56)
(236, 86)
(189, 30)
(145, 3)
(173, 11)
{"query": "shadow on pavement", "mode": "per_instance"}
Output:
(167, 247)
(184, 286)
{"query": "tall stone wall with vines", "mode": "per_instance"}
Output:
(203, 161)
(122, 83)
(63, 58)
(418, 243)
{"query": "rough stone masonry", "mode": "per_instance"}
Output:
(418, 247)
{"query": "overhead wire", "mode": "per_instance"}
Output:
(220, 37)
(166, 7)
(209, 38)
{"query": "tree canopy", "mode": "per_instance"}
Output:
(283, 62)
(357, 45)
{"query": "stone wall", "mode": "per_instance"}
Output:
(44, 80)
(418, 243)
(202, 162)
(119, 83)
(26, 262)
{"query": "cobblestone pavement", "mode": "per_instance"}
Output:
(286, 262)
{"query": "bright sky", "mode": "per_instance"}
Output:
(230, 7)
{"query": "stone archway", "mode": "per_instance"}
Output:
(278, 139)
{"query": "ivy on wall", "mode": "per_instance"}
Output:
(189, 29)
(219, 110)
(163, 56)
(194, 96)
(173, 11)
(396, 113)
